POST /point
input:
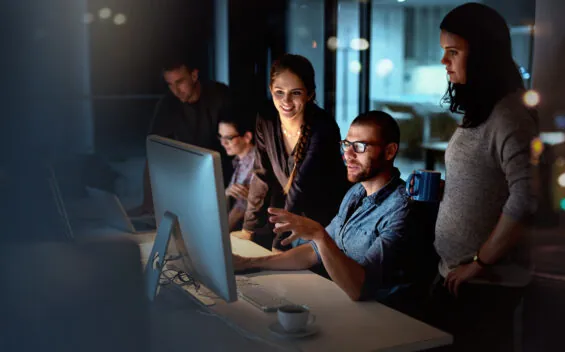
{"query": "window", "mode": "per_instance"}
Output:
(305, 28)
(348, 65)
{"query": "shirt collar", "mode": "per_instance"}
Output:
(246, 158)
(379, 196)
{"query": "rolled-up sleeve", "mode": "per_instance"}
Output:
(330, 229)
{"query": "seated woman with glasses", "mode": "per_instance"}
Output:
(236, 137)
(298, 163)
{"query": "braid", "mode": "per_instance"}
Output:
(299, 155)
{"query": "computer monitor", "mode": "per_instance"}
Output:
(190, 207)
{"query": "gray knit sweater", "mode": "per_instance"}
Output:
(487, 174)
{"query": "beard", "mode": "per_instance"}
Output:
(367, 172)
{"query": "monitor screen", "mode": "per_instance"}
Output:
(187, 181)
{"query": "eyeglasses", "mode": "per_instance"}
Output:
(227, 138)
(358, 147)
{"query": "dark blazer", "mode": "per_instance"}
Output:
(321, 180)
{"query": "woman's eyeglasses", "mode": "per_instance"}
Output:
(358, 147)
(227, 138)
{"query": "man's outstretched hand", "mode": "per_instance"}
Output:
(300, 226)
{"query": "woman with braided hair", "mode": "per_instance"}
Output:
(298, 161)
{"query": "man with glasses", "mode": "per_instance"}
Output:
(371, 249)
(236, 136)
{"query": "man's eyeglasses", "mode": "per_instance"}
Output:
(227, 138)
(358, 147)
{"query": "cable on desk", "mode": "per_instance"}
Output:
(182, 279)
(245, 281)
(188, 280)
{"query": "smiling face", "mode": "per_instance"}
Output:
(289, 95)
(455, 53)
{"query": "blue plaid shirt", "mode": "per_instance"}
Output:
(373, 231)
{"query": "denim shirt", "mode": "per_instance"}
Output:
(373, 231)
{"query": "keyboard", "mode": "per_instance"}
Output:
(261, 298)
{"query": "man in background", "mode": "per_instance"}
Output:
(189, 113)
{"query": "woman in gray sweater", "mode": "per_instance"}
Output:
(488, 194)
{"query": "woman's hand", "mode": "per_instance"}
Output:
(238, 191)
(461, 274)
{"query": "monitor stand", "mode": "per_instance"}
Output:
(156, 261)
(163, 250)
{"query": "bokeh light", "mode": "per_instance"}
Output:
(355, 66)
(105, 13)
(531, 98)
(561, 180)
(120, 19)
(333, 43)
(537, 147)
(359, 44)
(384, 67)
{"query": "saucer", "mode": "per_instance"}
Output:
(277, 329)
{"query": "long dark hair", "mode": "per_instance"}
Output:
(491, 71)
(301, 67)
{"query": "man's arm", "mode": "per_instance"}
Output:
(353, 278)
(344, 271)
(299, 258)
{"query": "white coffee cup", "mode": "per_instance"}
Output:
(294, 318)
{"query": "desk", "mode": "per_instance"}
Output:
(431, 149)
(344, 325)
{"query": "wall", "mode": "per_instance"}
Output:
(45, 77)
